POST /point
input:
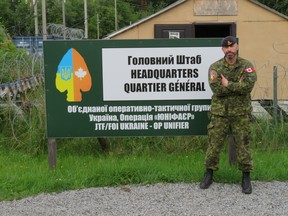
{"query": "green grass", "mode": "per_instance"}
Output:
(82, 163)
(23, 175)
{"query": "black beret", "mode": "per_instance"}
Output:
(228, 41)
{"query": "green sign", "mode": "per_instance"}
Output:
(114, 88)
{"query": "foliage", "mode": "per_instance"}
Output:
(18, 16)
(3, 35)
(278, 5)
(19, 20)
(23, 123)
(10, 60)
(17, 64)
(21, 116)
(6, 45)
(267, 136)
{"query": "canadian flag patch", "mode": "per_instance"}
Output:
(249, 70)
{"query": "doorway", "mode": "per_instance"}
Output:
(194, 30)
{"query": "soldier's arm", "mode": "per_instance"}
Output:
(215, 83)
(246, 82)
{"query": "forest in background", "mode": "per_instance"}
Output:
(17, 16)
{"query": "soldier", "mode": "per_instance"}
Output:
(231, 79)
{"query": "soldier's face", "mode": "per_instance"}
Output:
(230, 51)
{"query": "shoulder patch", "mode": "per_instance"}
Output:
(212, 74)
(249, 70)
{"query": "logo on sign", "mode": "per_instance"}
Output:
(73, 76)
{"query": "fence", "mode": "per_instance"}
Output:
(32, 44)
(20, 73)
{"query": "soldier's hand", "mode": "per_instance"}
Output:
(224, 81)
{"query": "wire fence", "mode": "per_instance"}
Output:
(20, 73)
(61, 31)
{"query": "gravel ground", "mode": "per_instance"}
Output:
(267, 198)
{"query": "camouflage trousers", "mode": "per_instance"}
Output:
(218, 129)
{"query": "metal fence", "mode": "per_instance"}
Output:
(32, 44)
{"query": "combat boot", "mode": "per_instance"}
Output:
(246, 183)
(208, 179)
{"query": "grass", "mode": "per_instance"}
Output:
(23, 175)
(82, 163)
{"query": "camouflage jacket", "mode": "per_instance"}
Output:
(234, 99)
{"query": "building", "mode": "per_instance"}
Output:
(262, 34)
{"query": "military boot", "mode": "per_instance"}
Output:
(208, 179)
(246, 183)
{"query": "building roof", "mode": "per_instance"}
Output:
(176, 4)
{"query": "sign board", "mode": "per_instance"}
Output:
(115, 88)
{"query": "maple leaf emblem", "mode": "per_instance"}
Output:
(80, 73)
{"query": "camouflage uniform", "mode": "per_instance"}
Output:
(230, 109)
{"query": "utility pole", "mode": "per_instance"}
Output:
(98, 22)
(85, 19)
(44, 27)
(64, 19)
(116, 21)
(35, 17)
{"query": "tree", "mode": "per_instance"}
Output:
(18, 16)
(143, 5)
(278, 5)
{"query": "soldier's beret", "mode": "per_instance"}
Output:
(228, 41)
